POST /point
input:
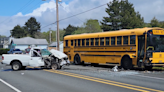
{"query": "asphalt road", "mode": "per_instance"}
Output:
(80, 79)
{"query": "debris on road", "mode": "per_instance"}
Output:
(115, 69)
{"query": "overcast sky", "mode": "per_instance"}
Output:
(14, 12)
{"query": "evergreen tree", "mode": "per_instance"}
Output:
(121, 16)
(32, 27)
(18, 32)
(162, 24)
(69, 30)
(154, 23)
(112, 22)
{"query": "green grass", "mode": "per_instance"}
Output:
(160, 68)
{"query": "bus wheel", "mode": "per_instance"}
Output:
(77, 60)
(148, 68)
(126, 63)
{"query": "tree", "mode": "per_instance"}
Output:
(154, 23)
(121, 16)
(46, 35)
(69, 30)
(112, 22)
(90, 26)
(129, 18)
(162, 24)
(39, 35)
(32, 26)
(18, 32)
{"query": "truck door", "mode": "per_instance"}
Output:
(36, 59)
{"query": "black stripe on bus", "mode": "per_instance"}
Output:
(104, 51)
(67, 47)
(111, 63)
(101, 55)
(104, 46)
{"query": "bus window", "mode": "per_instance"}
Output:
(66, 43)
(112, 40)
(107, 40)
(101, 41)
(132, 39)
(96, 41)
(87, 42)
(119, 40)
(75, 43)
(71, 42)
(83, 42)
(78, 42)
(125, 40)
(92, 41)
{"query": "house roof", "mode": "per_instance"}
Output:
(30, 41)
(55, 43)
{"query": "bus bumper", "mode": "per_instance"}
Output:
(158, 64)
(157, 61)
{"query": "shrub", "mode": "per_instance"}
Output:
(3, 51)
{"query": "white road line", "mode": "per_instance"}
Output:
(17, 90)
(150, 77)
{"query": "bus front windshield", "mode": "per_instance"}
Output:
(158, 42)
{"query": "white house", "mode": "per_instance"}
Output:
(23, 43)
(4, 42)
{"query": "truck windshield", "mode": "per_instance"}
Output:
(45, 52)
(158, 42)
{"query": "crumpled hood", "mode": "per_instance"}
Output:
(58, 54)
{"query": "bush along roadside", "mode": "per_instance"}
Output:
(3, 51)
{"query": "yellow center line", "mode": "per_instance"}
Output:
(110, 81)
(91, 79)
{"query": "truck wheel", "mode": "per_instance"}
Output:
(54, 66)
(77, 60)
(126, 63)
(16, 66)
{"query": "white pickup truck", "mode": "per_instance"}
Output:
(36, 58)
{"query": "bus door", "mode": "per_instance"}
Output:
(141, 50)
(71, 50)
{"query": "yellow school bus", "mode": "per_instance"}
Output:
(140, 47)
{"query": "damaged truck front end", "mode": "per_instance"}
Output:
(55, 59)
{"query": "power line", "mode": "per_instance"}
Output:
(19, 9)
(33, 6)
(71, 13)
(48, 25)
(75, 15)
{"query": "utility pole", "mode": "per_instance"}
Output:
(50, 35)
(57, 18)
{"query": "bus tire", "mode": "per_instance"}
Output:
(77, 59)
(126, 63)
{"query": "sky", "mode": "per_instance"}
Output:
(17, 12)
